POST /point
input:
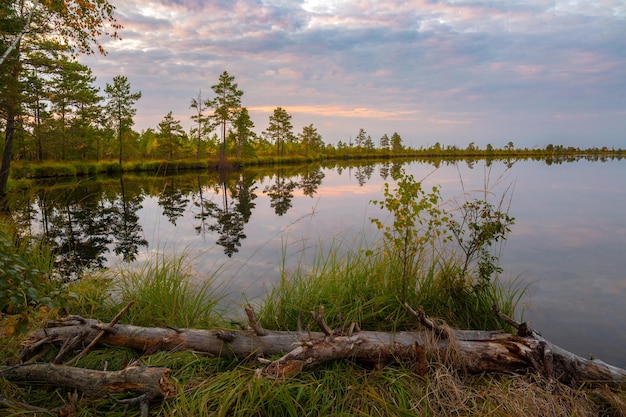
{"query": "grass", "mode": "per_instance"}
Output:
(364, 285)
(163, 288)
(211, 387)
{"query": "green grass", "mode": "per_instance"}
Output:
(163, 289)
(364, 285)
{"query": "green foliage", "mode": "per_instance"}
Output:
(419, 223)
(164, 291)
(225, 104)
(170, 137)
(280, 130)
(86, 168)
(480, 227)
(54, 170)
(24, 279)
(110, 167)
(416, 264)
(416, 226)
(363, 285)
(120, 108)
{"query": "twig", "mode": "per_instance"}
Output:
(299, 323)
(66, 321)
(68, 345)
(100, 335)
(70, 409)
(254, 321)
(426, 322)
(523, 329)
(319, 319)
(143, 401)
(354, 327)
(5, 403)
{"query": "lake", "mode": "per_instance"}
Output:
(568, 243)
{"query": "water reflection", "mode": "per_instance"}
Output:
(123, 219)
(86, 220)
(567, 243)
(281, 192)
(227, 217)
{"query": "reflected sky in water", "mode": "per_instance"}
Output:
(568, 243)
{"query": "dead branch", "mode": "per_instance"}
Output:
(254, 322)
(153, 382)
(103, 330)
(472, 351)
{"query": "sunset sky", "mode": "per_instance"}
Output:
(450, 71)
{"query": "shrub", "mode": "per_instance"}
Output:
(24, 280)
(54, 170)
(416, 263)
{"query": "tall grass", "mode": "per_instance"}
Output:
(163, 289)
(340, 390)
(422, 259)
(363, 285)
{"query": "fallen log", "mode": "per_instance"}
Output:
(149, 383)
(473, 351)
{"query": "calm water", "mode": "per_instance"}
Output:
(568, 242)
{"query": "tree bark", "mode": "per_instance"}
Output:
(150, 382)
(7, 154)
(472, 351)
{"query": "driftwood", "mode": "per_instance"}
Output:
(150, 382)
(472, 351)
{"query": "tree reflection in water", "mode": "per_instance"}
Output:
(87, 220)
(231, 213)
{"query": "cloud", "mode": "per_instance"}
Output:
(417, 66)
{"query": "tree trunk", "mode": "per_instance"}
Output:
(150, 382)
(472, 351)
(7, 154)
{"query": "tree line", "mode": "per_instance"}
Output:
(51, 109)
(40, 78)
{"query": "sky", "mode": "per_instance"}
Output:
(531, 72)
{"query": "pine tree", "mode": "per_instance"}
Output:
(243, 133)
(360, 139)
(384, 142)
(396, 142)
(171, 132)
(225, 105)
(310, 139)
(280, 129)
(74, 101)
(120, 107)
(202, 121)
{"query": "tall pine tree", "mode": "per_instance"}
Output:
(226, 105)
(120, 108)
